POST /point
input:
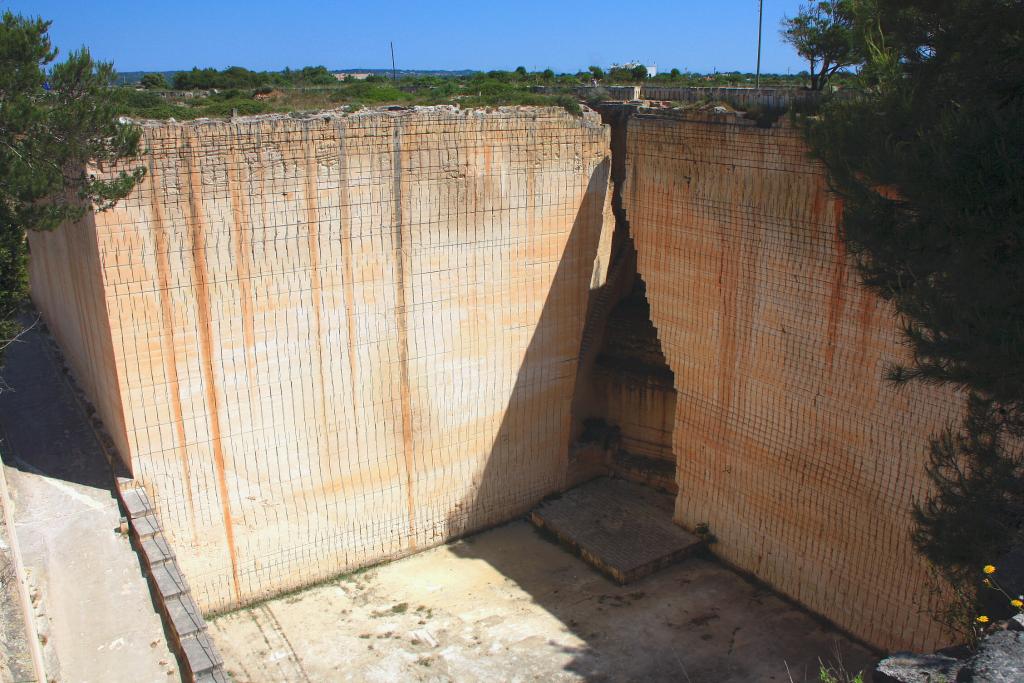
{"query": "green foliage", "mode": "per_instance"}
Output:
(823, 34)
(147, 105)
(13, 276)
(570, 104)
(930, 164)
(634, 74)
(492, 89)
(240, 77)
(486, 89)
(677, 78)
(830, 674)
(247, 92)
(153, 82)
(51, 125)
(974, 511)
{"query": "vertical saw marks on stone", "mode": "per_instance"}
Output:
(337, 339)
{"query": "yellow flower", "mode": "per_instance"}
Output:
(989, 569)
(982, 619)
(1016, 603)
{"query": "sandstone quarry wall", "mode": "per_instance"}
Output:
(65, 271)
(789, 443)
(334, 340)
(328, 341)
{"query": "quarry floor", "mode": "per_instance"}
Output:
(510, 605)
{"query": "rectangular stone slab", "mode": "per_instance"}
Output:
(623, 529)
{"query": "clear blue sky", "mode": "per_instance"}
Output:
(698, 35)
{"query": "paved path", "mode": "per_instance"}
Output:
(101, 621)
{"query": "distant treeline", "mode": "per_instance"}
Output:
(240, 77)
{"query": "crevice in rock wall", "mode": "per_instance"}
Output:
(634, 394)
(624, 405)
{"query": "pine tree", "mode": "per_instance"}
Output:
(55, 118)
(930, 164)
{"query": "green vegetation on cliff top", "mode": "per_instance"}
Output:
(211, 93)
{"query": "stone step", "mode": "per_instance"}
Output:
(623, 529)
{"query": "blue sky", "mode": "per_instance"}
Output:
(697, 35)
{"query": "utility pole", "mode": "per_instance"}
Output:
(394, 74)
(760, 16)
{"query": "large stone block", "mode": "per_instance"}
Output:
(790, 444)
(324, 342)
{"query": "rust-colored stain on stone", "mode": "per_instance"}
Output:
(240, 233)
(450, 256)
(163, 280)
(201, 273)
(401, 316)
(311, 202)
(331, 320)
(788, 442)
(839, 277)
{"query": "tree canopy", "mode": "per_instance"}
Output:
(153, 82)
(930, 164)
(823, 34)
(240, 77)
(55, 118)
(627, 74)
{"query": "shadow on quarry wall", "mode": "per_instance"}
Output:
(705, 623)
(490, 506)
(534, 404)
(559, 588)
(649, 643)
(550, 586)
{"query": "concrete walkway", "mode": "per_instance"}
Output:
(100, 617)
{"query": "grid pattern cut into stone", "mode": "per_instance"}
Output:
(324, 342)
(623, 529)
(789, 443)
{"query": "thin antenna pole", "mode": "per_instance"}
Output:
(760, 16)
(394, 75)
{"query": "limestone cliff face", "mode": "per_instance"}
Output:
(789, 443)
(324, 342)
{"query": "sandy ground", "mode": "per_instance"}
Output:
(100, 624)
(509, 605)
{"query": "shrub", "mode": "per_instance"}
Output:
(154, 82)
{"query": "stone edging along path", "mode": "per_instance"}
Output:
(185, 625)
